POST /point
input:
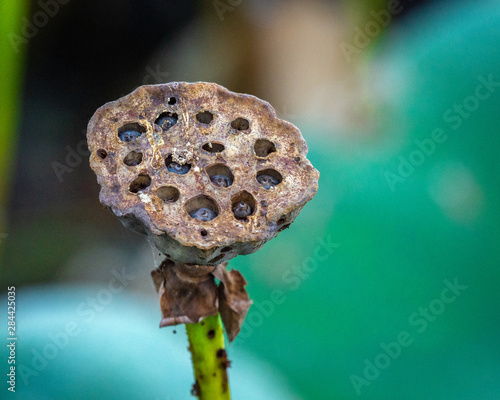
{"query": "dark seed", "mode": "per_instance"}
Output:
(203, 214)
(167, 121)
(178, 168)
(221, 180)
(267, 181)
(241, 210)
(128, 136)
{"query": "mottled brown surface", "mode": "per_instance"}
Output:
(174, 232)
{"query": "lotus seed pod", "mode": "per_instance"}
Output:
(206, 173)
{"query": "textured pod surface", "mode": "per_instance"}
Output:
(207, 173)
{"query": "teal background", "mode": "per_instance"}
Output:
(397, 247)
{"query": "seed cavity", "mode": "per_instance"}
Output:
(243, 205)
(241, 210)
(202, 208)
(213, 147)
(204, 117)
(220, 175)
(169, 194)
(269, 178)
(133, 158)
(221, 181)
(129, 132)
(102, 154)
(140, 183)
(203, 214)
(166, 120)
(176, 168)
(240, 124)
(264, 147)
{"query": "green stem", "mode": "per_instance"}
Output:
(206, 343)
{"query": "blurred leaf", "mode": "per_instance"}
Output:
(11, 72)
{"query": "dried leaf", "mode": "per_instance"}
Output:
(184, 299)
(234, 301)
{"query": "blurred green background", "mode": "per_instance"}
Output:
(400, 105)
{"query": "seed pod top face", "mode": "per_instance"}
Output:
(207, 173)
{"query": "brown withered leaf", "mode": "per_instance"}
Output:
(184, 299)
(158, 278)
(234, 301)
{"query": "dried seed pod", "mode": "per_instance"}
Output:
(200, 169)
